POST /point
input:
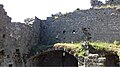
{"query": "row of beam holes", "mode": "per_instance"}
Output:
(73, 32)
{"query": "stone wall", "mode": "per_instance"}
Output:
(17, 44)
(107, 2)
(37, 24)
(15, 41)
(96, 3)
(113, 2)
(17, 38)
(4, 34)
(102, 24)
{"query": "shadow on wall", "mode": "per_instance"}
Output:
(112, 60)
(57, 58)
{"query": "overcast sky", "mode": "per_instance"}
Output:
(22, 9)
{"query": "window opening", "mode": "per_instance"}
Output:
(73, 32)
(64, 31)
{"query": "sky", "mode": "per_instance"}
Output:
(19, 10)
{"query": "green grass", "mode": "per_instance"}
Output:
(103, 46)
(76, 48)
(111, 47)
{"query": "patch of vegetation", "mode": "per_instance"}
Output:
(75, 48)
(116, 42)
(110, 47)
(102, 46)
(108, 6)
(78, 50)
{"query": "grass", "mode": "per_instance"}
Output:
(106, 46)
(76, 48)
(103, 46)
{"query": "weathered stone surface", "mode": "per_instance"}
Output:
(16, 39)
(97, 3)
(102, 25)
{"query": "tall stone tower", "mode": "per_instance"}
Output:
(5, 21)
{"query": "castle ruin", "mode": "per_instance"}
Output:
(99, 23)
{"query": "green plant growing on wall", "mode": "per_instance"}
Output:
(117, 42)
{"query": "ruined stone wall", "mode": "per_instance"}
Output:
(4, 25)
(15, 41)
(20, 35)
(17, 38)
(113, 2)
(102, 24)
(17, 44)
(4, 34)
(96, 4)
(37, 31)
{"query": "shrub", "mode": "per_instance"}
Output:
(117, 42)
